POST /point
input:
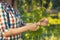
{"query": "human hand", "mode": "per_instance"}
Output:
(44, 22)
(32, 27)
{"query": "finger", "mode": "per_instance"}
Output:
(44, 19)
(38, 23)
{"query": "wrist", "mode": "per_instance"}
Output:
(38, 23)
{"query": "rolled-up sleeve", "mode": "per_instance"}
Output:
(19, 21)
(9, 18)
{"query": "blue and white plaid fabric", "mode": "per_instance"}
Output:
(9, 18)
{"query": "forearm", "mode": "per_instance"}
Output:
(15, 31)
(12, 32)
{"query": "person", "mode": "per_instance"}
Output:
(11, 25)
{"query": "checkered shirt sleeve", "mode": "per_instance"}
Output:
(9, 18)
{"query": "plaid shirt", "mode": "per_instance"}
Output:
(9, 18)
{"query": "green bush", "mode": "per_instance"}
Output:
(32, 11)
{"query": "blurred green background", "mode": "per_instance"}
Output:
(33, 10)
